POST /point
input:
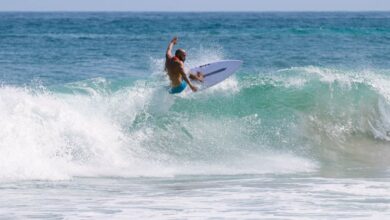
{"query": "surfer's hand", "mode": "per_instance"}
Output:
(174, 40)
(193, 88)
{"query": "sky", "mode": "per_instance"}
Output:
(194, 5)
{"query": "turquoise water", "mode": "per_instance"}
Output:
(89, 131)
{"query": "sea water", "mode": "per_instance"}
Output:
(89, 131)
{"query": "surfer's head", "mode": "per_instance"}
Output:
(181, 54)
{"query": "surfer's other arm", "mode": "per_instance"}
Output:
(185, 77)
(168, 54)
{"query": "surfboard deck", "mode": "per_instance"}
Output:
(215, 73)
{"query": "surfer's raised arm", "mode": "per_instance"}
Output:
(168, 54)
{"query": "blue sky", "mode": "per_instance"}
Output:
(194, 5)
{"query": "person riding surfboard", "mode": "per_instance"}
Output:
(174, 66)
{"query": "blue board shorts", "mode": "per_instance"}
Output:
(178, 89)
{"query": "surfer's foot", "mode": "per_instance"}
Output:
(199, 76)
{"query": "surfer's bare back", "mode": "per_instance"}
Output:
(174, 65)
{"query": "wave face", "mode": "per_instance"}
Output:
(84, 94)
(292, 120)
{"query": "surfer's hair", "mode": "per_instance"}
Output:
(179, 52)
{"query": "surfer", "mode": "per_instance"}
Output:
(174, 65)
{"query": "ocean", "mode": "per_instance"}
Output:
(89, 131)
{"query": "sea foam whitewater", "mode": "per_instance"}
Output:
(88, 130)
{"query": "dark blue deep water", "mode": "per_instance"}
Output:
(64, 47)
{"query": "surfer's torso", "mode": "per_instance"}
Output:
(173, 66)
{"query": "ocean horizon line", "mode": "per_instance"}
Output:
(185, 11)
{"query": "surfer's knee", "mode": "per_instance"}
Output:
(192, 76)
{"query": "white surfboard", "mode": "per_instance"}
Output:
(216, 72)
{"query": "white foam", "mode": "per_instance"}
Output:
(45, 136)
(58, 136)
(228, 86)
